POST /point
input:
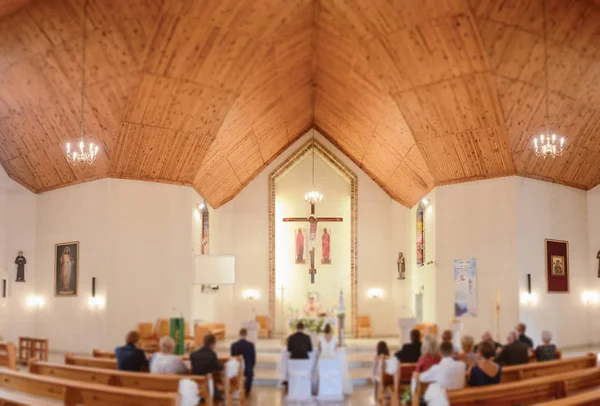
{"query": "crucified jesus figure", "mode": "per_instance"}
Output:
(313, 221)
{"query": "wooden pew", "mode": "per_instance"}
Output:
(528, 391)
(96, 353)
(8, 355)
(125, 379)
(73, 393)
(91, 362)
(590, 398)
(10, 398)
(533, 370)
(393, 385)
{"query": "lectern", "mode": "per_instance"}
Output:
(406, 324)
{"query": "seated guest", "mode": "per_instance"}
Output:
(129, 357)
(485, 371)
(513, 353)
(429, 354)
(547, 351)
(487, 336)
(468, 355)
(448, 337)
(449, 374)
(411, 352)
(246, 349)
(164, 362)
(522, 337)
(299, 344)
(205, 361)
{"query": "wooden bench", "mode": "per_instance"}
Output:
(125, 379)
(586, 398)
(392, 385)
(533, 370)
(12, 398)
(529, 391)
(201, 329)
(73, 393)
(32, 348)
(8, 355)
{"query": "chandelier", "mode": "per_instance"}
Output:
(548, 145)
(313, 196)
(83, 155)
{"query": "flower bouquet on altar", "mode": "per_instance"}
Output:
(312, 325)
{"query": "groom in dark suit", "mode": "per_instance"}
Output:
(246, 349)
(299, 344)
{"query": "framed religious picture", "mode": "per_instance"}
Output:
(66, 268)
(326, 246)
(299, 246)
(557, 266)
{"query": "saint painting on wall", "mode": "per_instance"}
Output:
(557, 266)
(66, 267)
(299, 247)
(326, 246)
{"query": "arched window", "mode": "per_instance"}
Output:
(420, 235)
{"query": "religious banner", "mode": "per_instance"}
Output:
(326, 247)
(557, 266)
(66, 265)
(299, 250)
(177, 330)
(465, 287)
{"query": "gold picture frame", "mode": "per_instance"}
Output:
(66, 269)
(566, 268)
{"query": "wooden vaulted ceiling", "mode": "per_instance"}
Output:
(206, 93)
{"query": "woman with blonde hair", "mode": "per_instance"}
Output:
(468, 354)
(165, 362)
(430, 354)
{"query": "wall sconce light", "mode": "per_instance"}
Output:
(35, 301)
(589, 297)
(529, 283)
(425, 201)
(3, 287)
(94, 286)
(201, 206)
(529, 298)
(250, 294)
(96, 302)
(375, 293)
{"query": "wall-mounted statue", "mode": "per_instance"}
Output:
(401, 266)
(20, 261)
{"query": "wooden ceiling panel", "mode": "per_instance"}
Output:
(208, 93)
(8, 7)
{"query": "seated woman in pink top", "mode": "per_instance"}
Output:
(430, 354)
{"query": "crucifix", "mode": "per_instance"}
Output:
(313, 220)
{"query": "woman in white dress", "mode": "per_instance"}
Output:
(327, 344)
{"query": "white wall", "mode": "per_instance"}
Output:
(478, 220)
(17, 232)
(135, 238)
(240, 227)
(550, 211)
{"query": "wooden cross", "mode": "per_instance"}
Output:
(313, 221)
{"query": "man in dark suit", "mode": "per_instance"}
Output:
(487, 336)
(246, 349)
(205, 361)
(299, 344)
(411, 352)
(129, 357)
(513, 353)
(522, 337)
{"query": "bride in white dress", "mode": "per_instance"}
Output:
(327, 344)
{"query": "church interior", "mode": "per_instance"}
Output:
(365, 174)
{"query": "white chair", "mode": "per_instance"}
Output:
(299, 380)
(330, 381)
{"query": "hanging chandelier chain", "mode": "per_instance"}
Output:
(313, 159)
(83, 44)
(546, 68)
(313, 196)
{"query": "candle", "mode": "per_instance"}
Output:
(553, 137)
(562, 141)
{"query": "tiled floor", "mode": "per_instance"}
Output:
(263, 396)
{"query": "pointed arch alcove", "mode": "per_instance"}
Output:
(346, 173)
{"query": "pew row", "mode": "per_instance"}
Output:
(124, 379)
(73, 393)
(8, 355)
(532, 370)
(528, 391)
(586, 398)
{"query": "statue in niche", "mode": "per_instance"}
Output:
(401, 266)
(20, 261)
